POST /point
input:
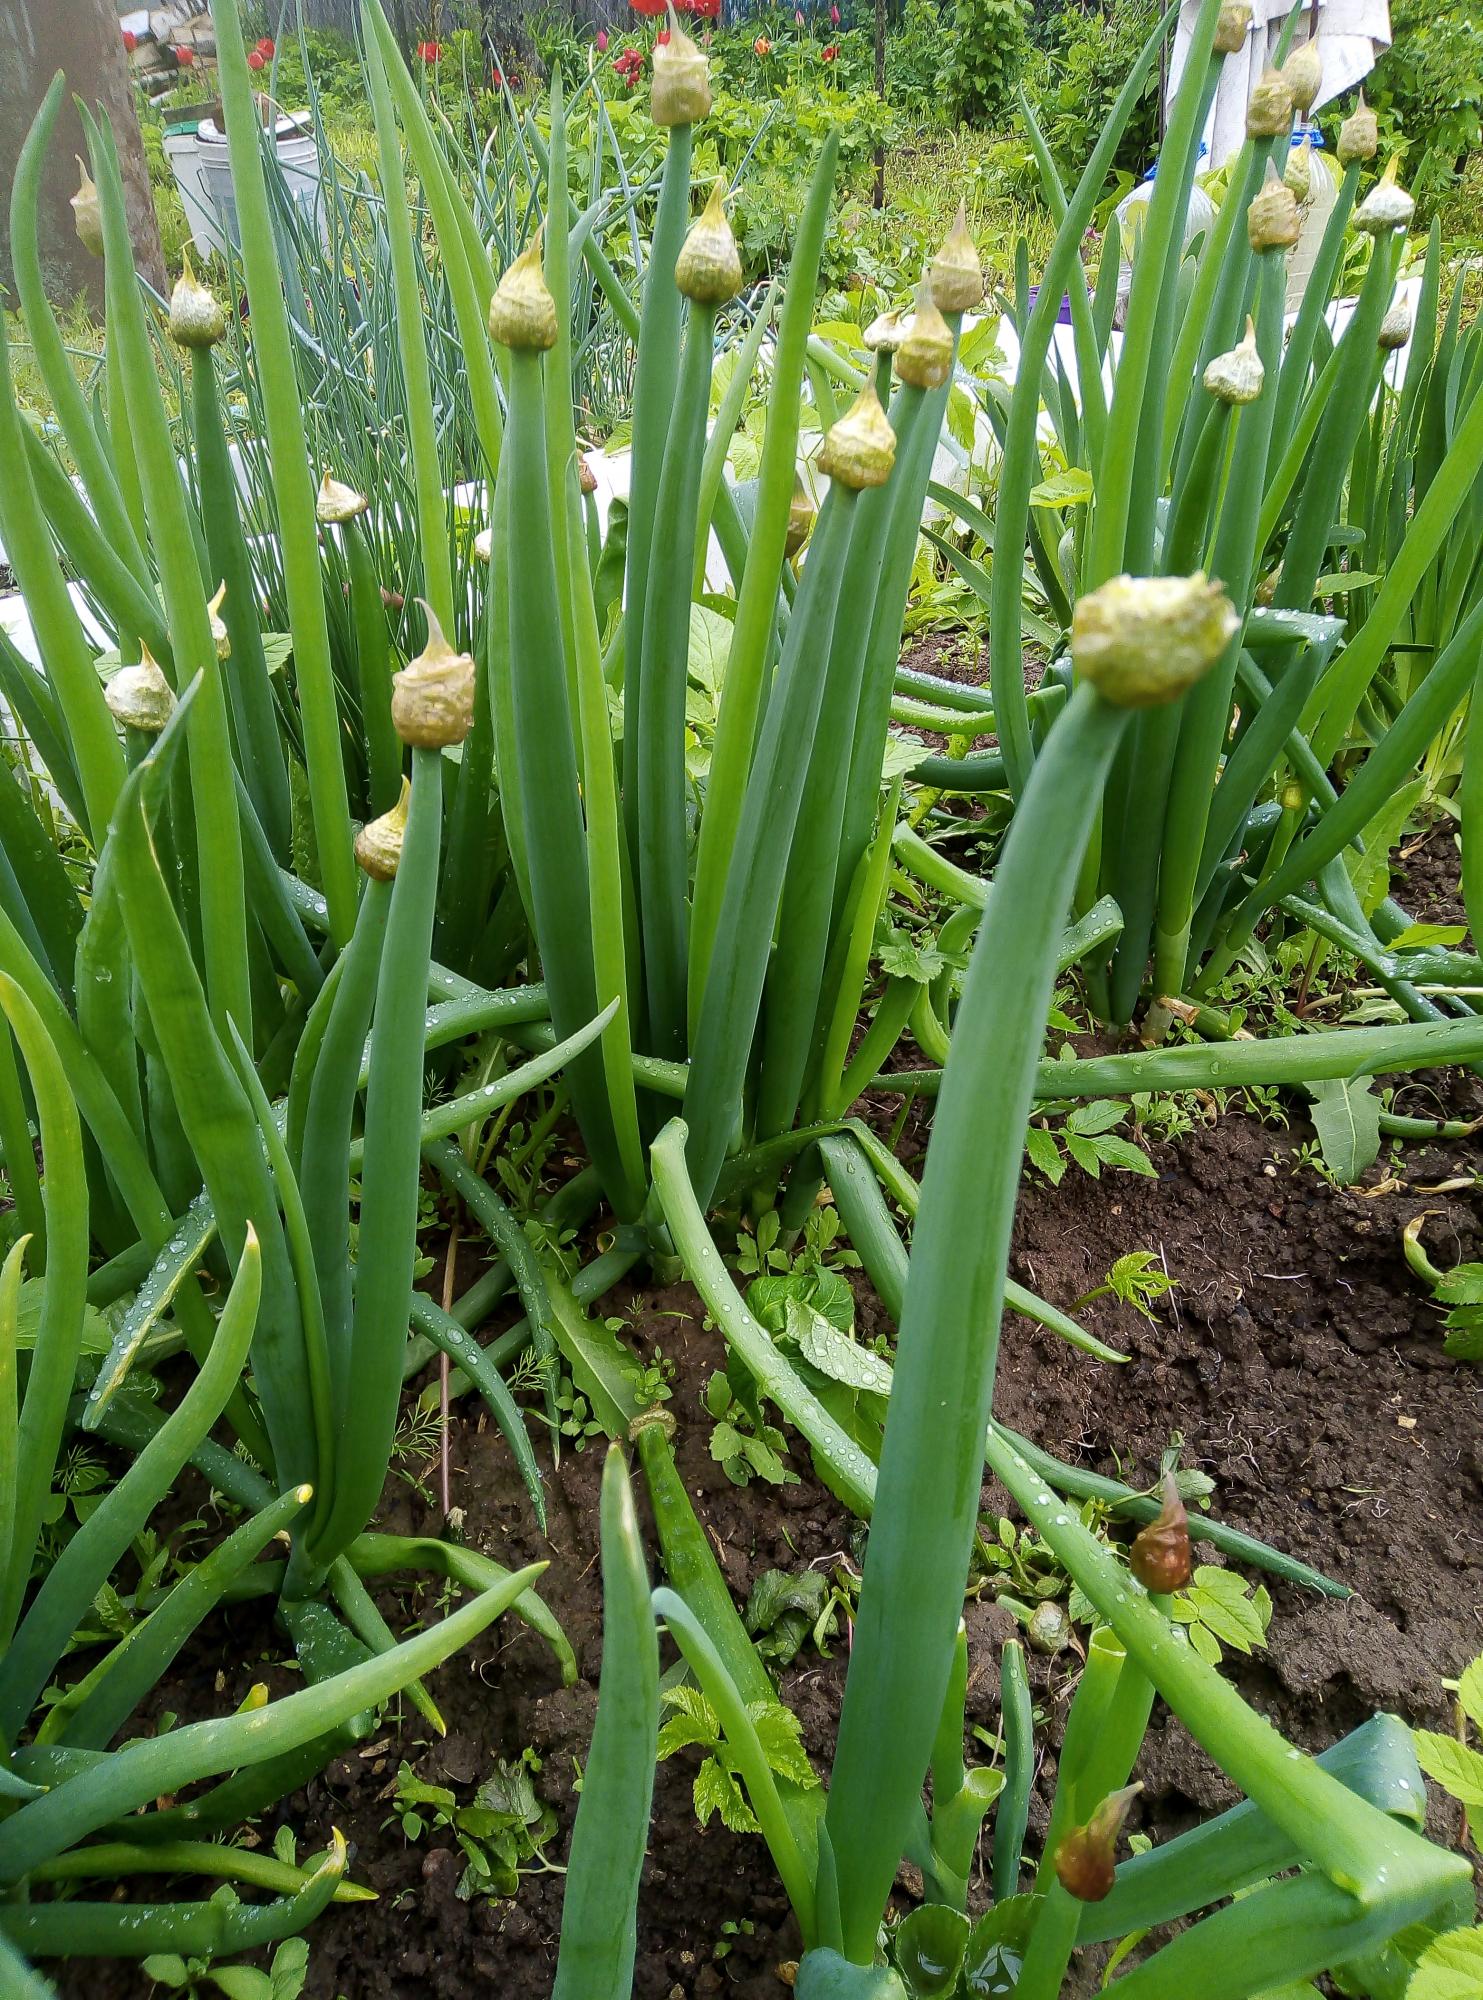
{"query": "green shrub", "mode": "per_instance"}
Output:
(1089, 51)
(985, 55)
(1428, 90)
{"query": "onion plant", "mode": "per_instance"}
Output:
(1325, 1857)
(1330, 504)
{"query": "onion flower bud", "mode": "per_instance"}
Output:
(1085, 1859)
(1048, 1629)
(586, 477)
(883, 335)
(861, 448)
(681, 90)
(925, 356)
(1297, 175)
(221, 638)
(378, 845)
(1269, 111)
(336, 502)
(1160, 1555)
(197, 318)
(955, 273)
(800, 519)
(1387, 206)
(1142, 640)
(1303, 75)
(1237, 375)
(1395, 328)
(709, 270)
(1272, 220)
(522, 313)
(432, 698)
(1266, 590)
(1359, 135)
(1232, 26)
(140, 697)
(484, 545)
(87, 212)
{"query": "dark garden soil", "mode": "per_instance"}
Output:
(1297, 1359)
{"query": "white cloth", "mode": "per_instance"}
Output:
(1351, 35)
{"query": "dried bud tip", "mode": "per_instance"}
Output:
(1085, 1864)
(378, 845)
(1303, 75)
(586, 477)
(1269, 112)
(708, 270)
(1359, 135)
(522, 313)
(925, 357)
(955, 273)
(221, 638)
(681, 90)
(337, 502)
(140, 697)
(1387, 206)
(196, 315)
(1232, 27)
(861, 447)
(1142, 640)
(1160, 1555)
(1272, 220)
(432, 698)
(1238, 375)
(87, 212)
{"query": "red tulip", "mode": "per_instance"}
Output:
(706, 10)
(797, 19)
(830, 53)
(602, 41)
(131, 41)
(256, 59)
(834, 17)
(184, 56)
(662, 38)
(430, 51)
(763, 46)
(267, 48)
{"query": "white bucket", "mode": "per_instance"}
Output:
(298, 157)
(183, 151)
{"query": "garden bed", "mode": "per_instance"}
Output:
(1297, 1358)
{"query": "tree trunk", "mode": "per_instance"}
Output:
(81, 37)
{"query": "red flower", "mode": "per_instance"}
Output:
(267, 48)
(602, 41)
(661, 40)
(430, 52)
(184, 56)
(653, 8)
(834, 17)
(763, 46)
(256, 59)
(131, 41)
(630, 66)
(830, 53)
(797, 18)
(706, 10)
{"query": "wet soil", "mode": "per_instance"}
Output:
(1298, 1361)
